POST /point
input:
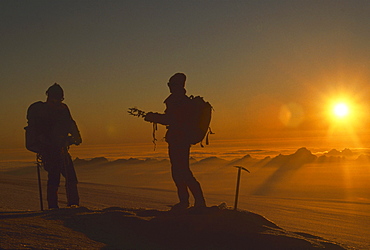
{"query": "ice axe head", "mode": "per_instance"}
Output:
(243, 168)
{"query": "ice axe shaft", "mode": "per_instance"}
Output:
(38, 163)
(240, 168)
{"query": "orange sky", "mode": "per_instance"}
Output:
(270, 69)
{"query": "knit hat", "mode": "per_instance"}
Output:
(177, 80)
(55, 92)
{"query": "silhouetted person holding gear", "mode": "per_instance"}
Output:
(176, 118)
(56, 131)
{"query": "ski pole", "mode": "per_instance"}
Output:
(238, 184)
(38, 163)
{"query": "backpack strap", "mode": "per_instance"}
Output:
(207, 137)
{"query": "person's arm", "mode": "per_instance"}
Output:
(156, 118)
(75, 136)
(165, 118)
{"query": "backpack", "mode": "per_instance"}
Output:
(199, 124)
(43, 132)
(33, 135)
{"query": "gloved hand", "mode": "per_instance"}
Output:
(73, 140)
(150, 117)
(78, 140)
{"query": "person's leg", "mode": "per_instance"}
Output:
(51, 165)
(195, 189)
(177, 163)
(52, 189)
(69, 174)
(184, 175)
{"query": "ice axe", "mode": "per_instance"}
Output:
(240, 168)
(38, 166)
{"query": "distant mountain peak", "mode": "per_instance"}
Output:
(248, 156)
(303, 151)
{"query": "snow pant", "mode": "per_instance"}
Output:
(182, 175)
(58, 162)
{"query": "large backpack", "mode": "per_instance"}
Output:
(199, 125)
(43, 131)
(34, 131)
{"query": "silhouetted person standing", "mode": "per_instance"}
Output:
(56, 131)
(176, 118)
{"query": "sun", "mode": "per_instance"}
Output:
(341, 110)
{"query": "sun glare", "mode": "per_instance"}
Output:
(344, 113)
(341, 110)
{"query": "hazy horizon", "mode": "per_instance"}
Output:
(224, 149)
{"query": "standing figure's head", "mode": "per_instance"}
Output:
(177, 83)
(55, 93)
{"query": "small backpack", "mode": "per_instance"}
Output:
(199, 125)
